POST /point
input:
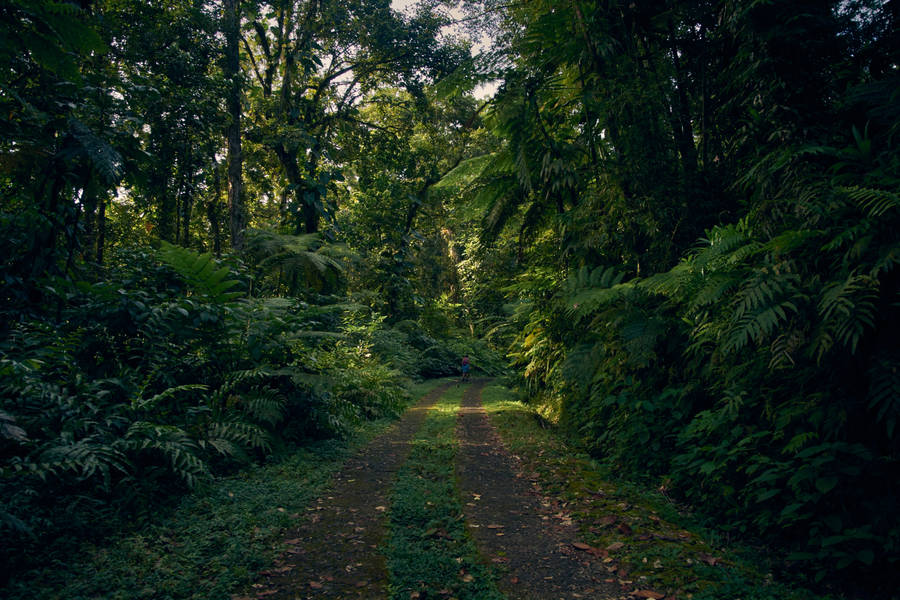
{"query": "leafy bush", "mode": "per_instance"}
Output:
(757, 379)
(121, 392)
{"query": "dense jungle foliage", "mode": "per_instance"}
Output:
(228, 228)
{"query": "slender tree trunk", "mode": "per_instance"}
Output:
(237, 210)
(166, 203)
(212, 211)
(89, 238)
(101, 229)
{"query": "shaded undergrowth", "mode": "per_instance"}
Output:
(648, 542)
(215, 541)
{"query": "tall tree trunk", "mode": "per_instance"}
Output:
(212, 211)
(237, 210)
(101, 229)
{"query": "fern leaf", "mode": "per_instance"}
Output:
(848, 310)
(875, 202)
(200, 272)
(884, 392)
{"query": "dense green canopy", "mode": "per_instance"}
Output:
(227, 227)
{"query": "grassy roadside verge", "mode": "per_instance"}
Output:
(215, 541)
(428, 550)
(650, 545)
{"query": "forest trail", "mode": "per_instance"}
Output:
(334, 553)
(512, 523)
(338, 551)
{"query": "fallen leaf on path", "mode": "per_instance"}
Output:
(590, 549)
(710, 560)
(293, 542)
(615, 546)
(514, 580)
(581, 545)
(315, 585)
(284, 569)
(607, 520)
(381, 508)
(647, 594)
(495, 526)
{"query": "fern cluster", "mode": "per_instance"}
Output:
(757, 378)
(161, 374)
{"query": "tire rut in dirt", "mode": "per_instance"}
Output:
(335, 552)
(509, 524)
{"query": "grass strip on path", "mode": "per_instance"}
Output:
(428, 550)
(652, 549)
(217, 540)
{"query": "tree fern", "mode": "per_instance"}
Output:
(201, 272)
(296, 261)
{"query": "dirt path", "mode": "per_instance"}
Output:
(337, 550)
(334, 553)
(510, 524)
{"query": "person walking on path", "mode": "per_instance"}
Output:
(465, 368)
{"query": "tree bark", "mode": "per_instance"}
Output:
(237, 210)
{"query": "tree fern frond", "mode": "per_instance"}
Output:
(200, 272)
(175, 446)
(88, 457)
(722, 241)
(148, 403)
(303, 259)
(847, 309)
(581, 363)
(673, 282)
(503, 208)
(875, 202)
(246, 434)
(226, 448)
(884, 392)
(589, 301)
(762, 305)
(264, 405)
(104, 159)
(716, 286)
(639, 336)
